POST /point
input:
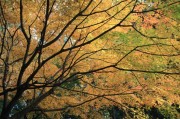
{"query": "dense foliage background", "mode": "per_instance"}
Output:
(95, 59)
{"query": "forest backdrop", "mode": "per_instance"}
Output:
(95, 59)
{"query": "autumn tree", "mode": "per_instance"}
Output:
(61, 55)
